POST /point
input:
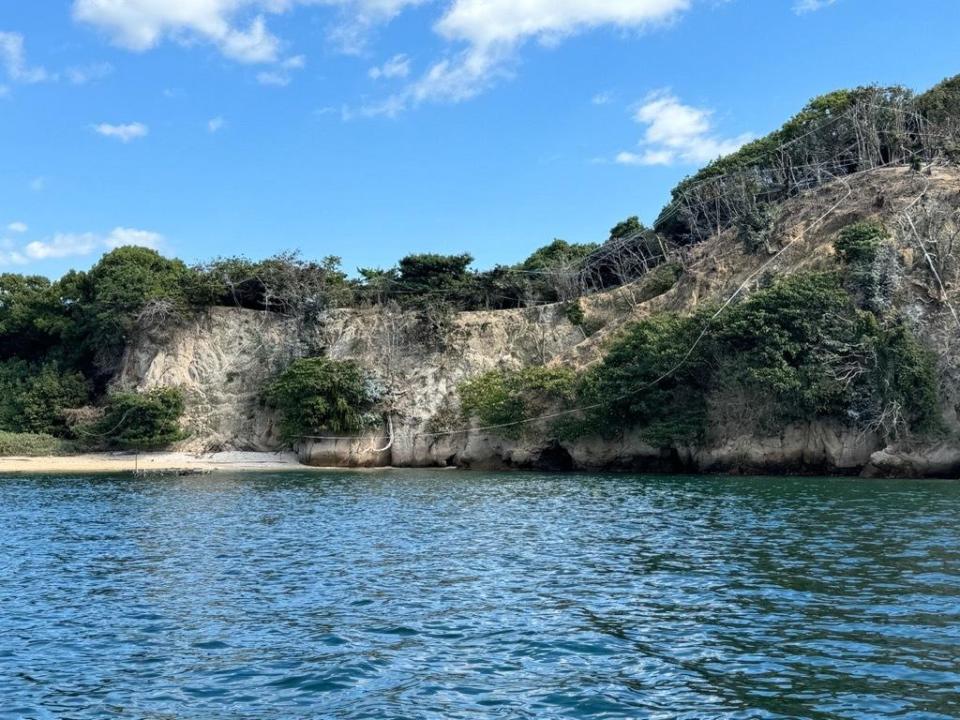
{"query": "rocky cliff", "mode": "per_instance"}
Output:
(223, 357)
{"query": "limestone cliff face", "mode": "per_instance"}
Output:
(223, 358)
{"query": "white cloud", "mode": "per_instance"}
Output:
(17, 227)
(121, 236)
(254, 45)
(13, 61)
(396, 67)
(12, 257)
(804, 6)
(677, 133)
(273, 78)
(282, 76)
(38, 184)
(238, 28)
(216, 124)
(123, 133)
(494, 30)
(358, 18)
(486, 35)
(64, 245)
(390, 107)
(142, 24)
(83, 74)
(602, 98)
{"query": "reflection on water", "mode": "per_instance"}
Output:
(459, 595)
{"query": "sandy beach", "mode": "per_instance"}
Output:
(151, 462)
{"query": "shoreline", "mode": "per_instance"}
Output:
(161, 462)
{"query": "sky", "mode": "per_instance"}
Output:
(371, 129)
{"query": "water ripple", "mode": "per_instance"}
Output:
(437, 595)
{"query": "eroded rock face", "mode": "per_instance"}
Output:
(223, 358)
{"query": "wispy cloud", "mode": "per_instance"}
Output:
(282, 75)
(484, 36)
(84, 74)
(396, 67)
(490, 34)
(13, 61)
(602, 98)
(17, 227)
(677, 133)
(805, 6)
(123, 133)
(273, 79)
(215, 125)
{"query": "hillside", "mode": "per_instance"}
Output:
(793, 310)
(224, 358)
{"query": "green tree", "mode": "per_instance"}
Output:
(316, 395)
(33, 397)
(114, 293)
(33, 317)
(432, 274)
(654, 377)
(140, 421)
(628, 228)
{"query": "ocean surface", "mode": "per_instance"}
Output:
(470, 595)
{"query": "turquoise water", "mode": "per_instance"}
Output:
(468, 595)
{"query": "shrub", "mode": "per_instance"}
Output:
(650, 380)
(899, 397)
(786, 338)
(800, 345)
(558, 254)
(573, 311)
(33, 397)
(659, 281)
(284, 283)
(871, 263)
(32, 445)
(317, 395)
(859, 243)
(139, 421)
(940, 105)
(627, 228)
(510, 397)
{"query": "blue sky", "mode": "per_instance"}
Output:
(370, 129)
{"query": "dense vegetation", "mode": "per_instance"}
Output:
(319, 395)
(137, 421)
(805, 347)
(502, 400)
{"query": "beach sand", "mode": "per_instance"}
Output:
(152, 462)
